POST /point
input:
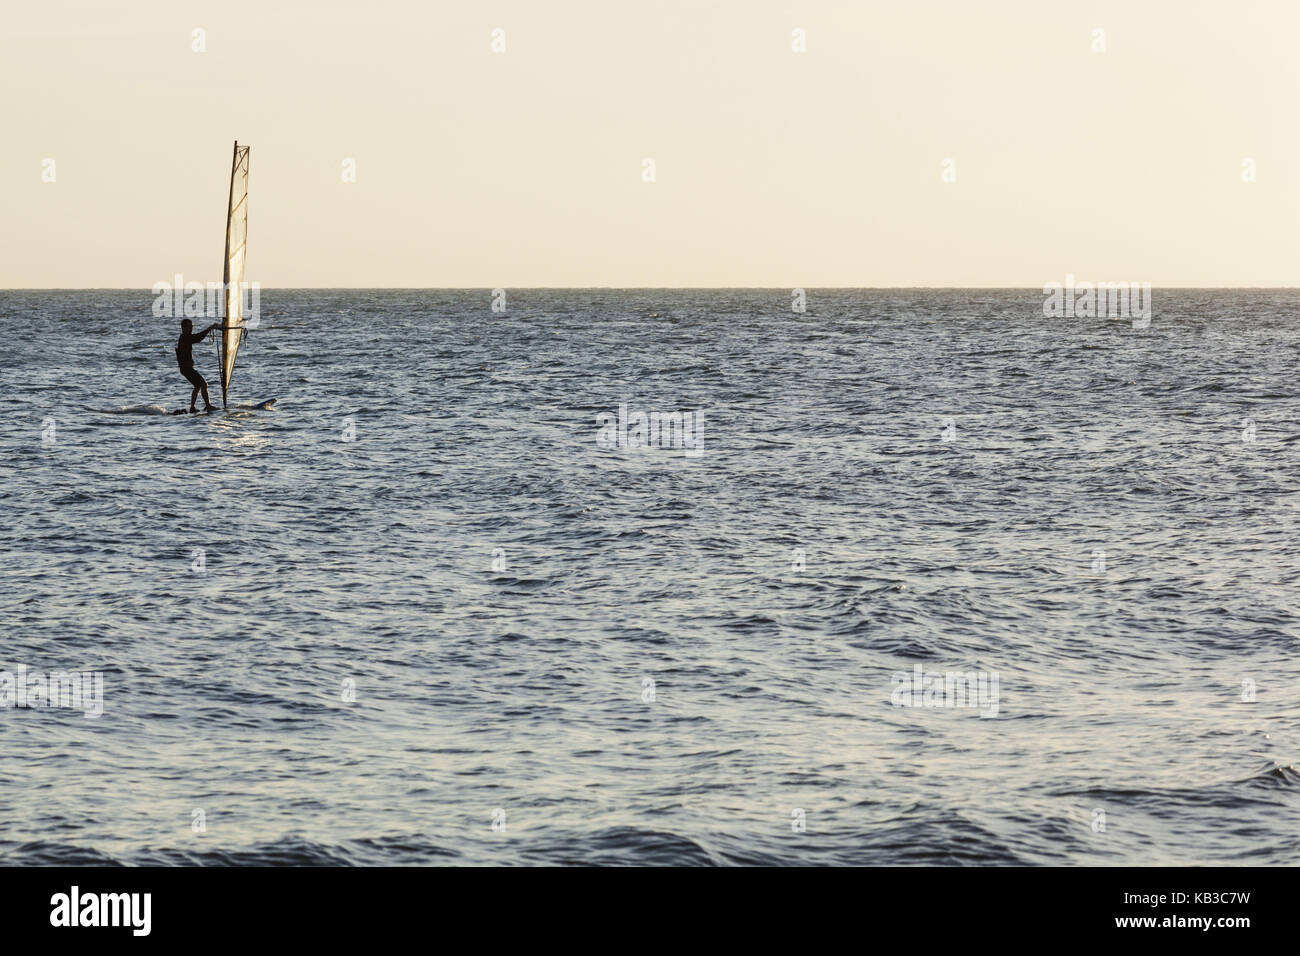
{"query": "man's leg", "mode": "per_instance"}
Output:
(195, 379)
(206, 401)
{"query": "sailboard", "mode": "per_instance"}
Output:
(233, 328)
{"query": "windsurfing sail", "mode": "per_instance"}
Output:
(232, 329)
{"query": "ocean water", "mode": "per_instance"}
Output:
(417, 614)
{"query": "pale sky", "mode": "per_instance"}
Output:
(773, 168)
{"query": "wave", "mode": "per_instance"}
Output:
(134, 410)
(1222, 794)
(392, 850)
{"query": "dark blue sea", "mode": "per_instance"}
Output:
(424, 610)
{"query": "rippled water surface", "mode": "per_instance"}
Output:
(640, 656)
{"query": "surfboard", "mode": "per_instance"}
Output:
(239, 407)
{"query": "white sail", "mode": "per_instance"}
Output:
(233, 271)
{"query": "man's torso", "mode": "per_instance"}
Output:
(184, 356)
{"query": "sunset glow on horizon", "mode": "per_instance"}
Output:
(1170, 156)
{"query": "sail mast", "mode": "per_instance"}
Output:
(225, 274)
(232, 271)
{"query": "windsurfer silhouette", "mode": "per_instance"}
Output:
(186, 361)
